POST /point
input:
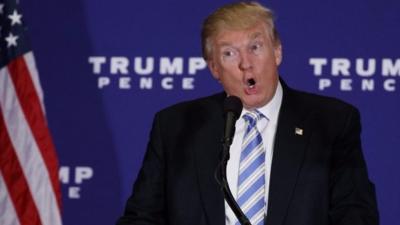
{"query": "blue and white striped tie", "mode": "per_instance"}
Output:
(251, 180)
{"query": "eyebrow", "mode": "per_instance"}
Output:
(225, 44)
(252, 36)
(255, 35)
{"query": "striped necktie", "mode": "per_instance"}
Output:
(251, 181)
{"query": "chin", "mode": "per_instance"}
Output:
(252, 103)
(250, 106)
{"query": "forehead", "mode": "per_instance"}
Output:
(237, 36)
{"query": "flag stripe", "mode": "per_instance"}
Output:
(26, 147)
(7, 211)
(15, 182)
(32, 108)
(30, 63)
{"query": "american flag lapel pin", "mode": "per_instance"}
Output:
(298, 131)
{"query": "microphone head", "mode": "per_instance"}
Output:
(233, 104)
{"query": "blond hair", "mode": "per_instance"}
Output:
(236, 16)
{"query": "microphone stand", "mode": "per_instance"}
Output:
(226, 143)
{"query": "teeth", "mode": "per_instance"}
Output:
(251, 83)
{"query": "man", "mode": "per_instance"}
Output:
(296, 158)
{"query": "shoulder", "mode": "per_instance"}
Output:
(324, 112)
(209, 106)
(189, 118)
(318, 103)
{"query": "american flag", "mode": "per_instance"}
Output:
(29, 185)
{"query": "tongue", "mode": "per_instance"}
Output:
(251, 89)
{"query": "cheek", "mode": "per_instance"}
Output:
(231, 80)
(229, 70)
(268, 60)
(229, 65)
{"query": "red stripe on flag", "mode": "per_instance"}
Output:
(15, 180)
(34, 115)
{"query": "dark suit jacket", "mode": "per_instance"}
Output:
(317, 178)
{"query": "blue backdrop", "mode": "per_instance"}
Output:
(107, 66)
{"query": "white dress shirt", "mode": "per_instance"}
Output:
(267, 127)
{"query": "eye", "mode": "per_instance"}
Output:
(255, 47)
(228, 53)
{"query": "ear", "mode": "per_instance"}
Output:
(212, 66)
(278, 54)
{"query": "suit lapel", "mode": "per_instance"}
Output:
(207, 157)
(292, 136)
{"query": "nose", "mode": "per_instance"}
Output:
(245, 61)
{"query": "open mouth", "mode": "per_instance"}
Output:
(251, 83)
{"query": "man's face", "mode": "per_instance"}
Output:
(246, 63)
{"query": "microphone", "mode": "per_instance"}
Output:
(232, 108)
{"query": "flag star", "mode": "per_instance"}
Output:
(15, 18)
(11, 40)
(1, 8)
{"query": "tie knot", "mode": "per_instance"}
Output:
(252, 117)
